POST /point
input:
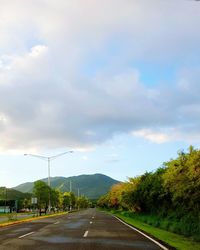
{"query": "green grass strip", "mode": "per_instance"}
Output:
(22, 220)
(177, 241)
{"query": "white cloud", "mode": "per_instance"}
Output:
(48, 98)
(37, 50)
(153, 136)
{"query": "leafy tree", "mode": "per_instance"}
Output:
(182, 180)
(42, 191)
(172, 192)
(26, 203)
(82, 202)
(66, 201)
(103, 201)
(56, 199)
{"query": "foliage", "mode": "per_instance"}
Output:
(171, 193)
(148, 224)
(42, 191)
(82, 202)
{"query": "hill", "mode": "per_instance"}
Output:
(12, 194)
(92, 186)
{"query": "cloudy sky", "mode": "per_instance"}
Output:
(116, 81)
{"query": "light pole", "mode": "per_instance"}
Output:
(48, 159)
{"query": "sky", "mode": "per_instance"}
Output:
(115, 81)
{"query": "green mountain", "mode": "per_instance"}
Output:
(92, 186)
(12, 194)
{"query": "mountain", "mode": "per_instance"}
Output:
(12, 194)
(92, 186)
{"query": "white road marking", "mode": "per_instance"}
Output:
(57, 222)
(26, 235)
(85, 234)
(135, 229)
(90, 222)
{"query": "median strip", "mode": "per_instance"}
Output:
(10, 223)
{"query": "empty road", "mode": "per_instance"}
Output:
(88, 229)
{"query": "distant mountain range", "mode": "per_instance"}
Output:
(92, 186)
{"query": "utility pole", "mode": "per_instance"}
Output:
(70, 188)
(5, 200)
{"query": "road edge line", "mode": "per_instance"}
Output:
(148, 237)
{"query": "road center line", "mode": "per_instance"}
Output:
(26, 235)
(85, 234)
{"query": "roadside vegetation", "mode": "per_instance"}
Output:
(171, 239)
(168, 198)
(60, 202)
(66, 201)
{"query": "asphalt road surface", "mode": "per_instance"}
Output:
(88, 229)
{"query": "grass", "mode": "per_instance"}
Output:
(21, 220)
(177, 241)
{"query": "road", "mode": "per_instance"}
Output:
(88, 229)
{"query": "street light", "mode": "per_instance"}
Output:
(48, 159)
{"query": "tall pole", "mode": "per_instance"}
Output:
(49, 183)
(78, 200)
(70, 188)
(48, 159)
(5, 210)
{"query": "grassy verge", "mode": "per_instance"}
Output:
(22, 220)
(177, 241)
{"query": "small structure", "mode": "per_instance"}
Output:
(4, 209)
(7, 206)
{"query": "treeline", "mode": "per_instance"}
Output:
(58, 201)
(171, 193)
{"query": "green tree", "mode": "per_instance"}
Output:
(182, 180)
(56, 199)
(42, 191)
(82, 202)
(26, 203)
(66, 201)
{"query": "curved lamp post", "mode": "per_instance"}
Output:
(48, 159)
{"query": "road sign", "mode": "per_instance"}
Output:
(34, 200)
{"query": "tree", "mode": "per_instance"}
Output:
(26, 203)
(182, 180)
(82, 202)
(66, 201)
(42, 191)
(56, 199)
